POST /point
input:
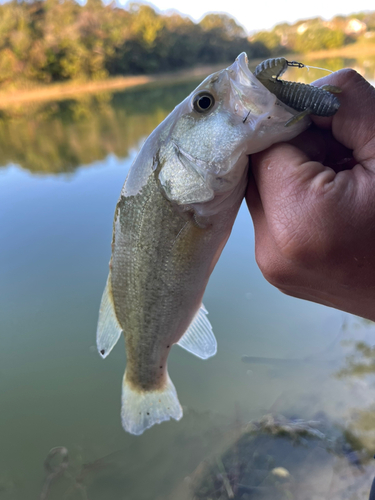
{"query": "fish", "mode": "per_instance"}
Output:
(172, 220)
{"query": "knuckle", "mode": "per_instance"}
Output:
(276, 270)
(295, 239)
(303, 238)
(295, 252)
(347, 75)
(298, 246)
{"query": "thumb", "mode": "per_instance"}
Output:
(353, 125)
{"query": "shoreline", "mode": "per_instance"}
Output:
(350, 51)
(69, 90)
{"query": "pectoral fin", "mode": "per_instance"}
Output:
(109, 330)
(199, 338)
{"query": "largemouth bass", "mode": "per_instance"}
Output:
(174, 216)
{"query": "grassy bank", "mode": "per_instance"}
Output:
(355, 50)
(69, 90)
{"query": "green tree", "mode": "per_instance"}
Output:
(270, 39)
(55, 40)
(223, 24)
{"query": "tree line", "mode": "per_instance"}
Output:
(57, 40)
(60, 136)
(317, 34)
(45, 41)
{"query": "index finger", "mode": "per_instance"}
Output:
(353, 125)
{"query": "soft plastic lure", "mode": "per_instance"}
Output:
(307, 99)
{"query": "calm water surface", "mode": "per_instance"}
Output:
(62, 166)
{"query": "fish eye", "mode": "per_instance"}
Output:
(203, 102)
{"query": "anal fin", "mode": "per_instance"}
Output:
(109, 329)
(199, 338)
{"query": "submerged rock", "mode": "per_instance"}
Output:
(276, 458)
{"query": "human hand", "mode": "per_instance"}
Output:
(312, 201)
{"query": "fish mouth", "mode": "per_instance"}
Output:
(240, 73)
(246, 88)
(242, 62)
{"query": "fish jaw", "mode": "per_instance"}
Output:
(264, 115)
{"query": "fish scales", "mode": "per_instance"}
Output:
(173, 218)
(152, 295)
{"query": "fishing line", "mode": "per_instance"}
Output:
(316, 67)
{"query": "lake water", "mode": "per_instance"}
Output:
(62, 166)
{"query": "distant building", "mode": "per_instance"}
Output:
(302, 28)
(355, 27)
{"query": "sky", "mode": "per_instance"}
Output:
(255, 16)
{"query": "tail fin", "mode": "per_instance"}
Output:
(141, 410)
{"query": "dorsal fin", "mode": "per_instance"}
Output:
(199, 338)
(109, 329)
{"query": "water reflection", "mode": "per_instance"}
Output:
(61, 136)
(55, 391)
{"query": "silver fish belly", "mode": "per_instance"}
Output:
(172, 220)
